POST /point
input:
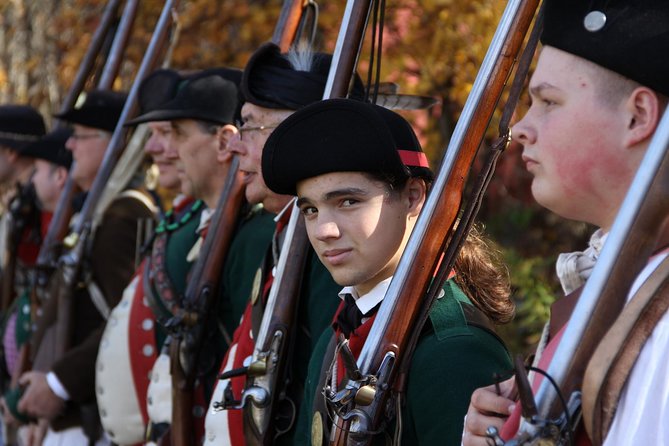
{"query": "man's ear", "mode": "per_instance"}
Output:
(416, 191)
(643, 108)
(61, 176)
(225, 135)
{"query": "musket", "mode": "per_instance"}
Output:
(266, 373)
(634, 236)
(85, 69)
(362, 406)
(191, 322)
(71, 262)
(188, 327)
(58, 227)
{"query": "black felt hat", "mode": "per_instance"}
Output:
(625, 36)
(339, 135)
(210, 96)
(157, 89)
(20, 125)
(270, 81)
(99, 109)
(51, 147)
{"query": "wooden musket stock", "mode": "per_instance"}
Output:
(386, 346)
(201, 294)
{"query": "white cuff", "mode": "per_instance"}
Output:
(56, 386)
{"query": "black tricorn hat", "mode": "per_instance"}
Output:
(210, 95)
(20, 125)
(99, 109)
(157, 89)
(51, 147)
(630, 38)
(270, 81)
(340, 135)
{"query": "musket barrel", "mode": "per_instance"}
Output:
(349, 39)
(91, 54)
(121, 38)
(449, 184)
(116, 143)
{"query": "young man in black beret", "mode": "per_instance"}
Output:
(62, 392)
(274, 85)
(361, 192)
(598, 93)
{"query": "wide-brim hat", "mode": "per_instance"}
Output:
(20, 125)
(98, 109)
(630, 38)
(339, 135)
(270, 81)
(157, 89)
(51, 147)
(210, 96)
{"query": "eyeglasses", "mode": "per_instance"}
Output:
(244, 129)
(81, 137)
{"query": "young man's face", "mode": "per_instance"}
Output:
(88, 147)
(48, 180)
(194, 152)
(356, 226)
(257, 124)
(155, 146)
(572, 141)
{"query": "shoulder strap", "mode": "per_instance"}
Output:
(614, 358)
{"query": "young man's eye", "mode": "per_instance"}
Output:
(308, 211)
(348, 202)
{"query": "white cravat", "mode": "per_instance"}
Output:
(574, 268)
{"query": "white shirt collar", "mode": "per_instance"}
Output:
(205, 218)
(369, 300)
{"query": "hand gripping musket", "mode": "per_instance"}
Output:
(363, 404)
(265, 376)
(633, 238)
(75, 242)
(189, 325)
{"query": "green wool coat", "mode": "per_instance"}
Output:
(451, 360)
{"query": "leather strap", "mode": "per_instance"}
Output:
(614, 358)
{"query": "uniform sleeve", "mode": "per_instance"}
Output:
(445, 370)
(112, 264)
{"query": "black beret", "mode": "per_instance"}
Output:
(207, 96)
(156, 90)
(99, 109)
(20, 125)
(339, 135)
(628, 37)
(270, 81)
(51, 147)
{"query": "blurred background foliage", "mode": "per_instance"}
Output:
(431, 47)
